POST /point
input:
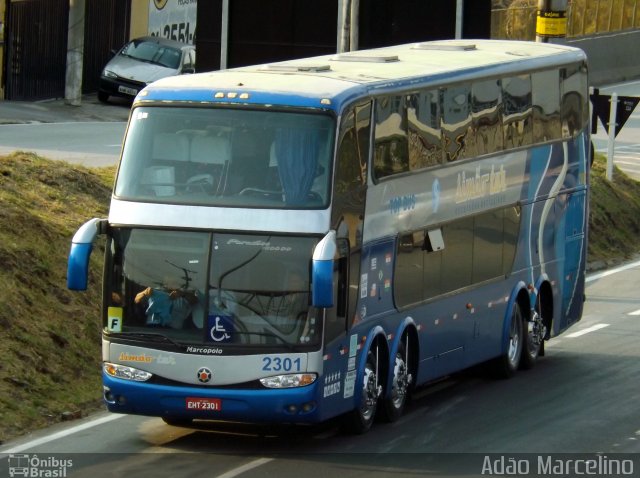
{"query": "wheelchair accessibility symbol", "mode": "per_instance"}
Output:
(220, 328)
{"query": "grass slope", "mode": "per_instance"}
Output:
(50, 337)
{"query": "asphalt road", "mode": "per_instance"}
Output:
(582, 397)
(93, 144)
(90, 134)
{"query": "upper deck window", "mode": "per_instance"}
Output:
(227, 157)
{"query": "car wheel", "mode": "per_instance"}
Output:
(103, 97)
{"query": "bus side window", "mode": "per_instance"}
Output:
(573, 82)
(546, 106)
(457, 256)
(390, 155)
(456, 121)
(423, 125)
(486, 112)
(517, 114)
(409, 269)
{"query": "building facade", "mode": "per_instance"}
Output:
(35, 35)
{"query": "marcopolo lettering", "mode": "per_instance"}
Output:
(204, 350)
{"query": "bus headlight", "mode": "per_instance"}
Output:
(126, 373)
(289, 381)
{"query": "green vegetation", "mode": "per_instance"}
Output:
(50, 342)
(50, 337)
(614, 218)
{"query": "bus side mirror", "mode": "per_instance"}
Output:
(81, 247)
(322, 271)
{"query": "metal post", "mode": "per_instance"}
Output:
(354, 22)
(612, 135)
(344, 23)
(459, 18)
(551, 21)
(224, 35)
(543, 6)
(75, 53)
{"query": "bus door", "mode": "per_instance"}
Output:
(347, 216)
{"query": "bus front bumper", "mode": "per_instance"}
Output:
(289, 405)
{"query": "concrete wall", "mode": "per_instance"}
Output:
(139, 25)
(613, 57)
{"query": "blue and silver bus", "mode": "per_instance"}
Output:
(314, 238)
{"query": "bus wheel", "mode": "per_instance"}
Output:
(507, 364)
(394, 405)
(177, 422)
(359, 421)
(535, 332)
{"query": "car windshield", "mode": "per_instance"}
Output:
(202, 288)
(152, 52)
(227, 157)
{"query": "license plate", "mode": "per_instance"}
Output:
(127, 91)
(204, 404)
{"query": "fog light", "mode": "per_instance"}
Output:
(108, 396)
(307, 407)
(292, 409)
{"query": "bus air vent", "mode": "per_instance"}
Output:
(444, 46)
(366, 58)
(294, 68)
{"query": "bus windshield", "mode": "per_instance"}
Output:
(227, 157)
(210, 289)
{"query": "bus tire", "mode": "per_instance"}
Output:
(507, 364)
(360, 420)
(534, 333)
(393, 407)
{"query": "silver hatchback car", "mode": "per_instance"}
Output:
(143, 61)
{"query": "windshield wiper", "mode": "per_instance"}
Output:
(153, 336)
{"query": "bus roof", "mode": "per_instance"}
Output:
(332, 81)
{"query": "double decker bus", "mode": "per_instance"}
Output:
(314, 238)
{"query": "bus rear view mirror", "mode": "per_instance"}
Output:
(322, 271)
(433, 240)
(81, 247)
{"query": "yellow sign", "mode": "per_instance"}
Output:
(114, 319)
(160, 4)
(551, 24)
